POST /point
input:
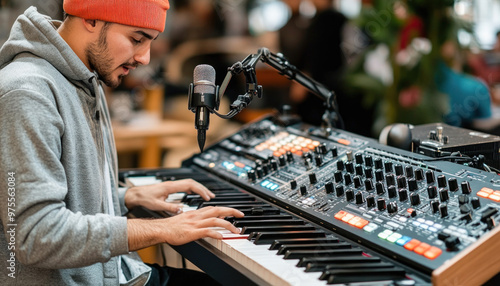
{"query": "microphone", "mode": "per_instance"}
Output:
(203, 95)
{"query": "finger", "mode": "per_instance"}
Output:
(221, 212)
(196, 187)
(169, 207)
(220, 223)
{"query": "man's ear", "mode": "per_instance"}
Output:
(90, 25)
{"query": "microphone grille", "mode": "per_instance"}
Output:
(204, 79)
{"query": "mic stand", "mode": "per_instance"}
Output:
(331, 117)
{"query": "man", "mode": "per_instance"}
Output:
(60, 208)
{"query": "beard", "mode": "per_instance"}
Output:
(100, 59)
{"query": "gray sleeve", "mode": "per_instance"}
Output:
(48, 234)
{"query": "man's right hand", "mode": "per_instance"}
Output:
(180, 229)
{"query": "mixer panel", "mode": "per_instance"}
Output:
(415, 209)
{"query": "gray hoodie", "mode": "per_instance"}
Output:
(56, 224)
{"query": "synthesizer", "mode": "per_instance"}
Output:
(418, 216)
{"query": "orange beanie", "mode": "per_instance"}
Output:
(149, 14)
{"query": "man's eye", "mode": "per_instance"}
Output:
(136, 41)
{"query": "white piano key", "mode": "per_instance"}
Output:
(266, 263)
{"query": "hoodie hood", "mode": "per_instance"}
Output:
(37, 34)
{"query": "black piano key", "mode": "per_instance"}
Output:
(329, 260)
(374, 263)
(260, 217)
(275, 228)
(269, 237)
(298, 254)
(280, 242)
(234, 204)
(364, 275)
(284, 248)
(268, 222)
(267, 210)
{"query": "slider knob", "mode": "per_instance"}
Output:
(293, 184)
(322, 148)
(251, 175)
(260, 172)
(419, 174)
(441, 181)
(338, 177)
(392, 207)
(368, 185)
(390, 180)
(435, 206)
(349, 167)
(370, 201)
(312, 178)
(358, 158)
(452, 242)
(340, 165)
(274, 164)
(379, 186)
(339, 190)
(289, 156)
(412, 184)
(401, 182)
(378, 164)
(303, 190)
(381, 204)
(463, 199)
(349, 195)
(398, 169)
(465, 187)
(453, 184)
(444, 195)
(475, 202)
(388, 166)
(334, 152)
(329, 187)
(318, 160)
(357, 181)
(282, 160)
(379, 175)
(369, 161)
(359, 198)
(429, 176)
(359, 170)
(368, 172)
(409, 171)
(443, 210)
(432, 191)
(391, 190)
(414, 199)
(347, 179)
(403, 195)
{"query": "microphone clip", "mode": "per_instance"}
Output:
(209, 100)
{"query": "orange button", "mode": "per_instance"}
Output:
(347, 217)
(277, 153)
(340, 214)
(422, 248)
(354, 220)
(344, 141)
(409, 210)
(410, 245)
(239, 164)
(483, 194)
(361, 223)
(433, 252)
(494, 197)
(486, 190)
